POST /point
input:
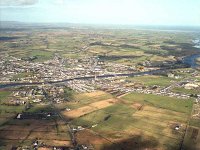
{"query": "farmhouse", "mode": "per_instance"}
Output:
(177, 127)
(19, 116)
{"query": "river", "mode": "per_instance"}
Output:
(188, 60)
(191, 60)
(81, 78)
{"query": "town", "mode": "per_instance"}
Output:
(106, 89)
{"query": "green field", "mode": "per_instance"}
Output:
(185, 91)
(175, 104)
(152, 80)
(83, 99)
(155, 122)
(7, 112)
(134, 121)
(195, 123)
(146, 45)
(4, 95)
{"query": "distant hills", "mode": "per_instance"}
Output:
(16, 24)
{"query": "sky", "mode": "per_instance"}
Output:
(120, 12)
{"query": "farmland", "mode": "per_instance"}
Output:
(153, 80)
(36, 125)
(151, 120)
(133, 120)
(51, 132)
(83, 87)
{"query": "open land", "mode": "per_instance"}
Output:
(80, 87)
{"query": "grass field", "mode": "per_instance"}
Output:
(41, 54)
(148, 45)
(89, 108)
(83, 99)
(6, 112)
(24, 132)
(175, 104)
(195, 122)
(137, 120)
(186, 91)
(4, 95)
(152, 80)
(19, 132)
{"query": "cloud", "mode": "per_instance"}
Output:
(18, 2)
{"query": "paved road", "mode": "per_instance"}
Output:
(83, 78)
(188, 60)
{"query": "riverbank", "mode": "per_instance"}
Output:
(188, 60)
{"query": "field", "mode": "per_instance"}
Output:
(89, 108)
(192, 138)
(128, 46)
(151, 80)
(7, 112)
(111, 123)
(174, 104)
(22, 132)
(135, 120)
(50, 131)
(186, 91)
(130, 121)
(83, 99)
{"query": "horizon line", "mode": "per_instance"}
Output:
(102, 24)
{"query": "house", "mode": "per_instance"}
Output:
(19, 116)
(171, 75)
(67, 109)
(177, 127)
(37, 100)
(94, 125)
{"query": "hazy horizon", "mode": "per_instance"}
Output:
(110, 12)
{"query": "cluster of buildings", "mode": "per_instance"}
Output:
(125, 87)
(43, 94)
(13, 69)
(61, 69)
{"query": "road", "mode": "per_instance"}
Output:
(82, 78)
(188, 60)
